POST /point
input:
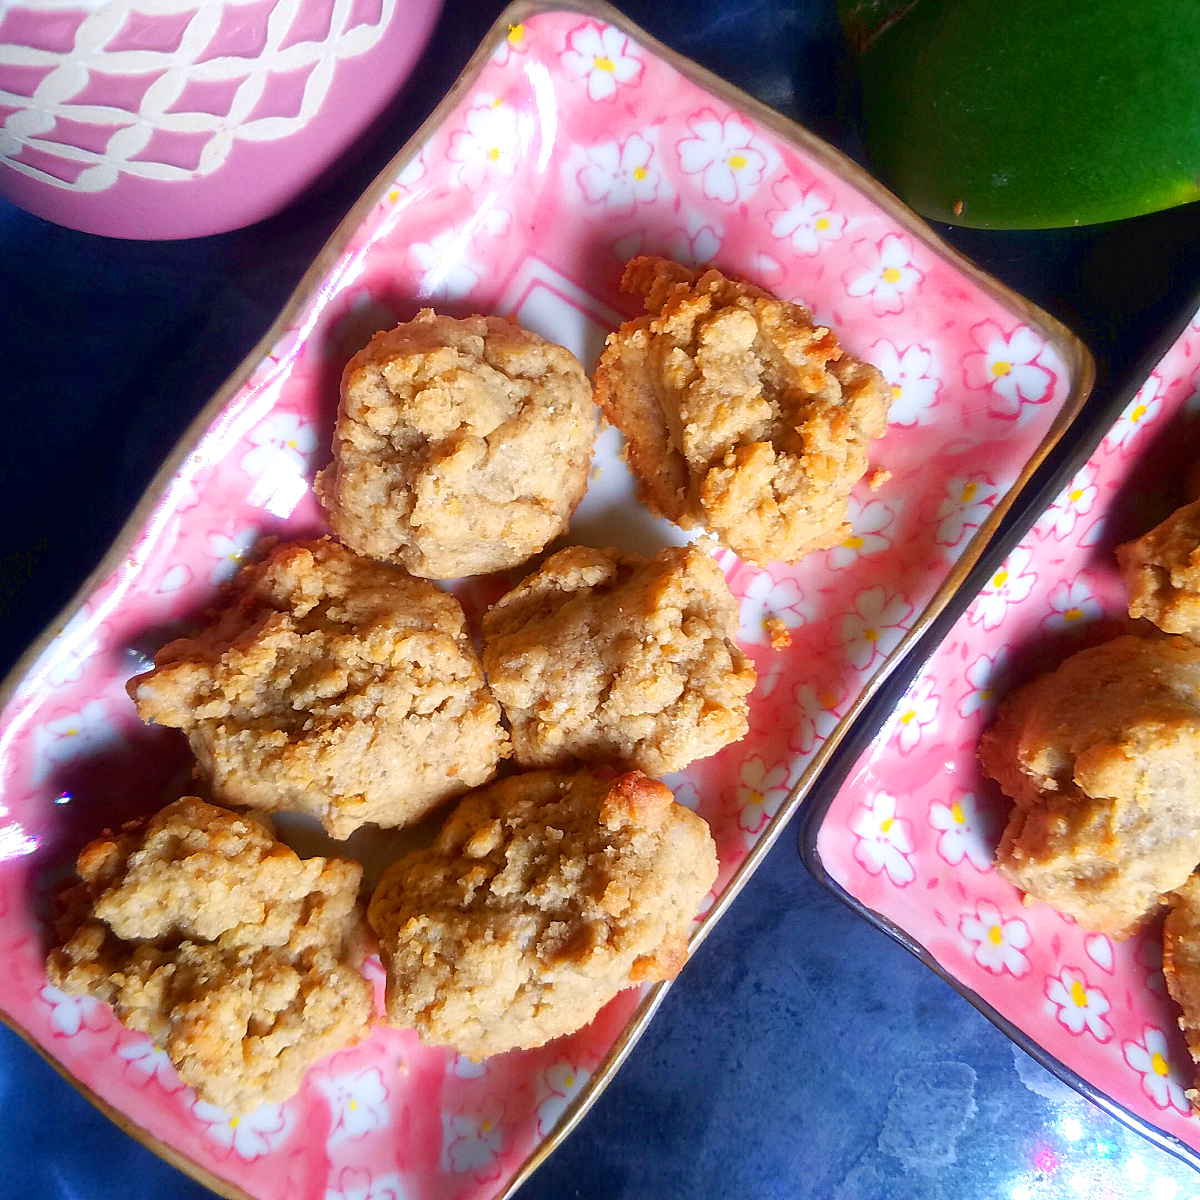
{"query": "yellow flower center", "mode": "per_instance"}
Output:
(604, 64)
(1079, 994)
(1073, 614)
(516, 34)
(486, 1127)
(826, 699)
(494, 153)
(1138, 413)
(1075, 495)
(1000, 368)
(233, 1122)
(394, 195)
(994, 935)
(736, 161)
(907, 717)
(497, 103)
(885, 826)
(569, 1081)
(756, 798)
(72, 733)
(1000, 578)
(985, 693)
(871, 635)
(821, 224)
(891, 275)
(639, 173)
(853, 542)
(353, 1105)
(957, 813)
(290, 443)
(968, 493)
(897, 391)
(1158, 1064)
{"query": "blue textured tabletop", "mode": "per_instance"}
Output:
(840, 1067)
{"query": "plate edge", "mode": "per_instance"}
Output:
(858, 744)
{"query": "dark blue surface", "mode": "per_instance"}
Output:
(802, 1054)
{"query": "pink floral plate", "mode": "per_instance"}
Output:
(571, 142)
(908, 839)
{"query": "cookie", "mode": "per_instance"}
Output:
(461, 446)
(331, 685)
(236, 957)
(544, 896)
(740, 415)
(1162, 573)
(600, 656)
(1181, 966)
(1102, 760)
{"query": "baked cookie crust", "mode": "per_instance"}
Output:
(600, 656)
(740, 414)
(331, 685)
(544, 896)
(236, 957)
(461, 446)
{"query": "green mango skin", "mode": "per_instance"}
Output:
(1035, 114)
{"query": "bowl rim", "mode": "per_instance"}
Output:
(855, 746)
(1077, 358)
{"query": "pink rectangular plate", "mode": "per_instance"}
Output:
(571, 142)
(908, 839)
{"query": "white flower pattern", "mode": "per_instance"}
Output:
(151, 1062)
(766, 597)
(284, 441)
(726, 154)
(916, 713)
(69, 1014)
(883, 844)
(563, 1082)
(988, 676)
(867, 525)
(357, 1104)
(603, 56)
(808, 223)
(620, 175)
(1010, 584)
(761, 792)
(1151, 1059)
(815, 718)
(1074, 501)
(874, 626)
(1010, 366)
(357, 1183)
(887, 273)
(1072, 605)
(968, 502)
(491, 143)
(914, 387)
(1077, 1005)
(996, 944)
(447, 271)
(1140, 412)
(964, 831)
(249, 1136)
(81, 734)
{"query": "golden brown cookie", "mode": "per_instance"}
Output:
(236, 957)
(1102, 760)
(332, 685)
(740, 415)
(600, 656)
(544, 896)
(1181, 966)
(461, 446)
(1162, 572)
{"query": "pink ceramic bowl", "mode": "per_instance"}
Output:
(177, 118)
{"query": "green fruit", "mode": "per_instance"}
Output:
(1031, 114)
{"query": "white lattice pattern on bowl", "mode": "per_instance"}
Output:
(65, 93)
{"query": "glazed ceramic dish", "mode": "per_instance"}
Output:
(178, 118)
(908, 840)
(571, 142)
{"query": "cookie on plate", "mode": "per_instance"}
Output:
(1181, 966)
(461, 446)
(1162, 573)
(331, 685)
(740, 414)
(544, 896)
(236, 957)
(1102, 760)
(600, 656)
